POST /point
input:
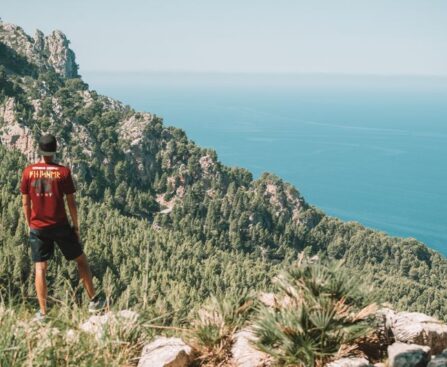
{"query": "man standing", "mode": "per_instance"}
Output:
(43, 187)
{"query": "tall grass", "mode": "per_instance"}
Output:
(60, 341)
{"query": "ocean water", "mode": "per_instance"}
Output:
(372, 149)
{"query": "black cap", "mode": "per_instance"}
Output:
(47, 145)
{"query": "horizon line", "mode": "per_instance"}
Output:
(321, 73)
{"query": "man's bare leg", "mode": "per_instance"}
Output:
(41, 285)
(85, 274)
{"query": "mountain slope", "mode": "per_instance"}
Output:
(164, 222)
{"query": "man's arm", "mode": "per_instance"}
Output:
(71, 202)
(26, 205)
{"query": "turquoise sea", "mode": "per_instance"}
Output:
(372, 149)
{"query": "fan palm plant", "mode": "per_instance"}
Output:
(320, 308)
(215, 323)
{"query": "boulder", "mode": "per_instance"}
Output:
(408, 355)
(166, 352)
(350, 362)
(244, 354)
(439, 361)
(416, 328)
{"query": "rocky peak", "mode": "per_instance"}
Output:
(39, 41)
(46, 52)
(61, 57)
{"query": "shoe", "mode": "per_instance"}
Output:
(96, 304)
(39, 317)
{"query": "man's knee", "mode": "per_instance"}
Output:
(81, 260)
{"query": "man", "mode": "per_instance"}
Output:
(43, 187)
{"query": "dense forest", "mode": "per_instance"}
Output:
(163, 222)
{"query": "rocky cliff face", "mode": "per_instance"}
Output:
(13, 134)
(46, 52)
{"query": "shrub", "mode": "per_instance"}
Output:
(319, 308)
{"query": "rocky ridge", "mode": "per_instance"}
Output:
(46, 52)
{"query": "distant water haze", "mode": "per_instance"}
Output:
(371, 149)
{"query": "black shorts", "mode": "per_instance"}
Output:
(42, 242)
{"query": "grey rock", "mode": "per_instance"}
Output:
(350, 362)
(97, 325)
(46, 52)
(61, 57)
(166, 352)
(244, 354)
(13, 134)
(408, 355)
(438, 362)
(416, 328)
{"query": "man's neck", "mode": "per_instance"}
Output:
(47, 159)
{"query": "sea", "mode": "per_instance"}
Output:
(365, 148)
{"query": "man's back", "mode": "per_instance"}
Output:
(46, 184)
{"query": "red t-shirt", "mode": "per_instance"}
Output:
(46, 184)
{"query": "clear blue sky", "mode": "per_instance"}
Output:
(341, 36)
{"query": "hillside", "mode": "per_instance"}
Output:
(164, 222)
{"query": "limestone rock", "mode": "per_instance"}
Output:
(283, 197)
(408, 355)
(417, 328)
(97, 325)
(46, 52)
(206, 163)
(244, 354)
(13, 134)
(439, 360)
(132, 128)
(60, 56)
(350, 362)
(273, 300)
(166, 352)
(267, 298)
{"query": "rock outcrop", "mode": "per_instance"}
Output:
(439, 361)
(166, 352)
(97, 325)
(416, 328)
(46, 52)
(408, 355)
(244, 354)
(131, 129)
(13, 134)
(350, 362)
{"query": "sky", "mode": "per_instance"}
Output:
(276, 36)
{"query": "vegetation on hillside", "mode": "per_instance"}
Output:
(166, 225)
